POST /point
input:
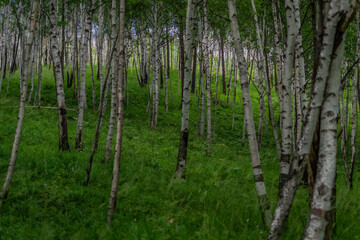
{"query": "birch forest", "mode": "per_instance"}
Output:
(179, 119)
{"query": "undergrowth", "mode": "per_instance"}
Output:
(216, 201)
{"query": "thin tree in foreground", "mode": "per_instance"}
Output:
(120, 115)
(27, 74)
(185, 112)
(208, 81)
(249, 118)
(102, 108)
(86, 24)
(287, 95)
(60, 95)
(114, 85)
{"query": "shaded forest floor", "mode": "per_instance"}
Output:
(217, 201)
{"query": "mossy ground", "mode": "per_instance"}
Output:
(216, 201)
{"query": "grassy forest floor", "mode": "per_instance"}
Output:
(217, 201)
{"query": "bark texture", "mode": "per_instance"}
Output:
(60, 95)
(120, 115)
(334, 32)
(185, 111)
(114, 85)
(84, 57)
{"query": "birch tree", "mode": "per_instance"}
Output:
(101, 44)
(114, 85)
(120, 115)
(82, 98)
(27, 74)
(201, 78)
(185, 111)
(331, 41)
(278, 63)
(60, 95)
(286, 94)
(318, 219)
(156, 64)
(208, 80)
(254, 150)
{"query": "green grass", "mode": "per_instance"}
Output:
(217, 201)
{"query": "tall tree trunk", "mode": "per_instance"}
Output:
(40, 71)
(114, 84)
(167, 52)
(231, 70)
(92, 73)
(278, 64)
(120, 115)
(82, 98)
(4, 43)
(102, 109)
(320, 213)
(134, 50)
(202, 61)
(60, 95)
(156, 65)
(254, 150)
(287, 95)
(330, 44)
(234, 96)
(28, 67)
(208, 81)
(166, 66)
(319, 18)
(185, 112)
(33, 55)
(182, 58)
(216, 93)
(193, 79)
(222, 64)
(300, 62)
(62, 56)
(101, 44)
(144, 58)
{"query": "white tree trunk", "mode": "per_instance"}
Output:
(326, 172)
(202, 59)
(114, 85)
(208, 81)
(254, 150)
(83, 57)
(278, 54)
(27, 73)
(156, 65)
(185, 111)
(101, 44)
(120, 116)
(60, 95)
(303, 149)
(287, 94)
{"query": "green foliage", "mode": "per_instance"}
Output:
(217, 201)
